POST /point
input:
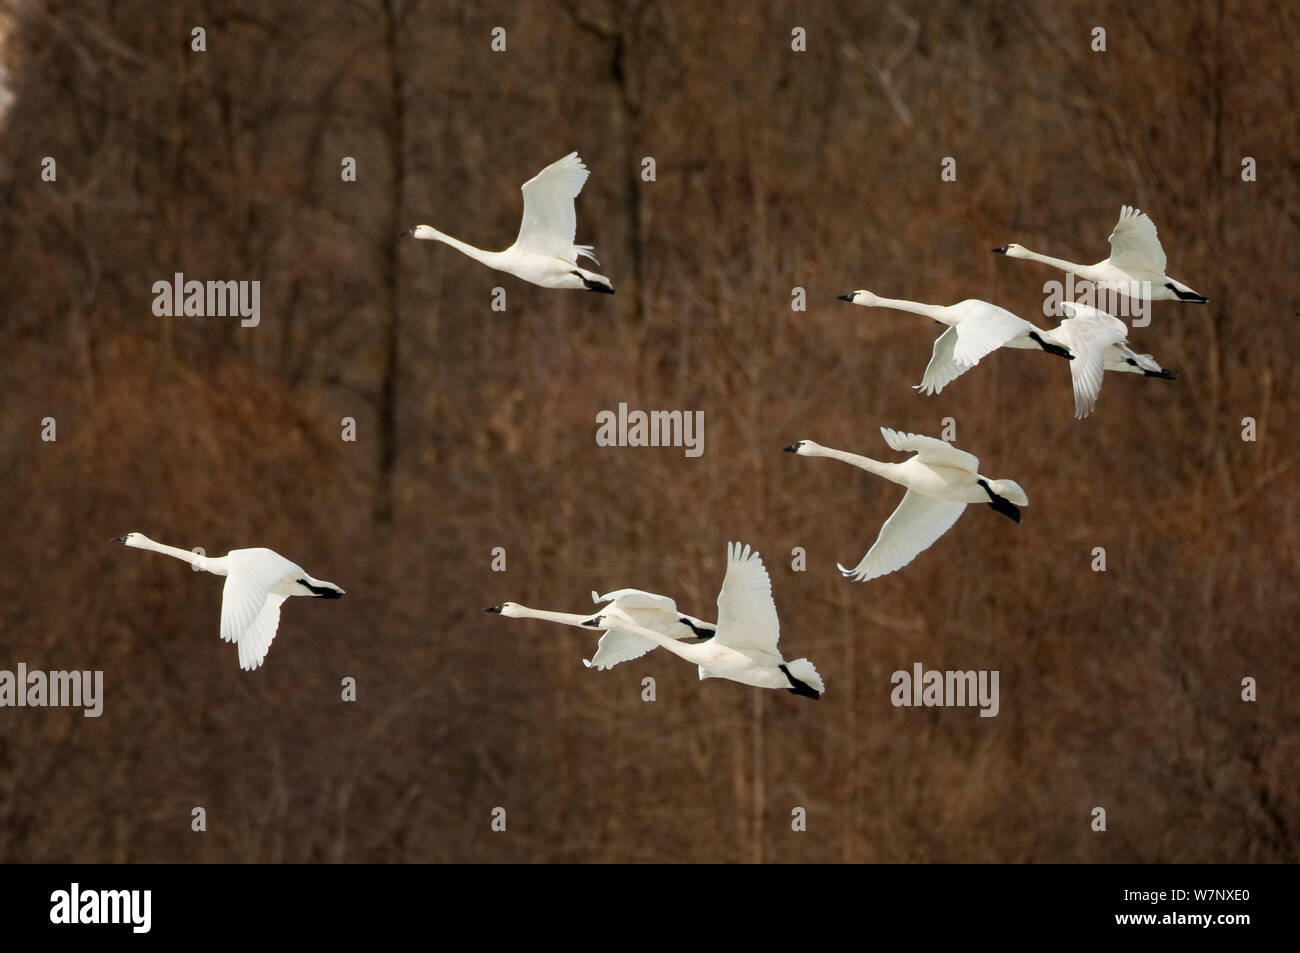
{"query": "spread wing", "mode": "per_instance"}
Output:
(943, 368)
(617, 646)
(1089, 333)
(1134, 245)
(910, 530)
(256, 640)
(746, 613)
(550, 223)
(636, 599)
(985, 330)
(982, 331)
(930, 450)
(250, 612)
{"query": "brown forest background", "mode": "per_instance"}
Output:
(476, 429)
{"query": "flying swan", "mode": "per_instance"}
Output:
(940, 481)
(1135, 268)
(544, 252)
(257, 582)
(1099, 342)
(626, 606)
(975, 329)
(743, 647)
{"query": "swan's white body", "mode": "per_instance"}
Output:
(544, 252)
(257, 583)
(1135, 268)
(744, 648)
(975, 329)
(940, 479)
(624, 607)
(1099, 342)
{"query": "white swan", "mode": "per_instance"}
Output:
(1099, 342)
(744, 646)
(975, 329)
(940, 481)
(632, 606)
(1136, 266)
(544, 252)
(257, 582)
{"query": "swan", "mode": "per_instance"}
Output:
(257, 582)
(1099, 342)
(743, 647)
(635, 606)
(1135, 268)
(940, 481)
(975, 329)
(544, 252)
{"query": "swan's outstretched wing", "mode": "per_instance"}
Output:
(943, 368)
(910, 530)
(930, 450)
(617, 646)
(636, 599)
(256, 640)
(1134, 245)
(1089, 334)
(982, 331)
(746, 613)
(249, 610)
(985, 329)
(550, 222)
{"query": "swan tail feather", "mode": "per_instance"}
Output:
(1010, 490)
(594, 282)
(804, 678)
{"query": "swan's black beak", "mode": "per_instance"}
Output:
(594, 623)
(1000, 251)
(410, 232)
(844, 297)
(118, 539)
(793, 448)
(496, 609)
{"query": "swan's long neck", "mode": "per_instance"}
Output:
(489, 258)
(1060, 263)
(878, 467)
(214, 565)
(564, 618)
(936, 311)
(684, 649)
